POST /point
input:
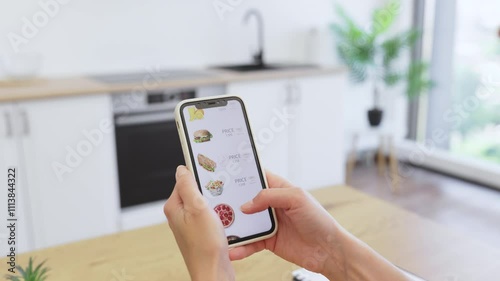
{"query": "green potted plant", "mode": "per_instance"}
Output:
(30, 272)
(372, 55)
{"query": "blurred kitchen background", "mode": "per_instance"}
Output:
(87, 90)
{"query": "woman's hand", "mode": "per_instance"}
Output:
(197, 230)
(309, 237)
(306, 232)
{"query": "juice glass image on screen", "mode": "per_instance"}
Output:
(225, 163)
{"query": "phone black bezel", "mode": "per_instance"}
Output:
(254, 149)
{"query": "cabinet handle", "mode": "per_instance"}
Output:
(294, 93)
(8, 125)
(26, 123)
(289, 93)
(297, 91)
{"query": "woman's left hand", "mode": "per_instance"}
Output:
(198, 231)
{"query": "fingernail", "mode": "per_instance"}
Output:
(181, 170)
(246, 206)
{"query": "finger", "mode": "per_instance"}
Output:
(188, 188)
(275, 181)
(186, 184)
(242, 252)
(282, 198)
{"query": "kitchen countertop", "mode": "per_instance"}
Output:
(49, 88)
(409, 241)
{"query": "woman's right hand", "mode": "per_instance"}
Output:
(307, 235)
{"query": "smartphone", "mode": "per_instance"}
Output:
(220, 150)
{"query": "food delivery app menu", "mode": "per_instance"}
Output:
(226, 166)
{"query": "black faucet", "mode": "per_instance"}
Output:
(258, 57)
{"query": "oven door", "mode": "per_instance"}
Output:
(148, 152)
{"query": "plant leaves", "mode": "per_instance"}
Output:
(21, 271)
(366, 54)
(392, 47)
(12, 278)
(43, 274)
(30, 273)
(344, 17)
(383, 18)
(391, 78)
(358, 71)
(39, 266)
(417, 80)
(29, 269)
(355, 47)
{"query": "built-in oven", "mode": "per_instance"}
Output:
(147, 144)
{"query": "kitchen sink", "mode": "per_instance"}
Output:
(263, 67)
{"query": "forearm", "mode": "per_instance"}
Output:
(355, 261)
(212, 269)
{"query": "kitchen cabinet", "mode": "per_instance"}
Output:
(266, 103)
(10, 160)
(317, 137)
(65, 152)
(68, 146)
(308, 148)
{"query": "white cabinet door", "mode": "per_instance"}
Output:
(70, 162)
(316, 148)
(266, 108)
(16, 210)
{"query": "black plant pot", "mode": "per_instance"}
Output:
(375, 117)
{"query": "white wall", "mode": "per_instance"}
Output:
(117, 35)
(86, 37)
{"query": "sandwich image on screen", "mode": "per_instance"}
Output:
(202, 136)
(207, 163)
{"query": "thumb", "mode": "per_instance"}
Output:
(280, 198)
(188, 188)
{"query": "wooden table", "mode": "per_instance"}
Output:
(409, 241)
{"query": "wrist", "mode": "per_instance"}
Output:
(354, 260)
(216, 268)
(335, 266)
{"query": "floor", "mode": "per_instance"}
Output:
(461, 205)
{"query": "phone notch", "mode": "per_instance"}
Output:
(211, 104)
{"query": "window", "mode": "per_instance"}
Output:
(475, 131)
(462, 42)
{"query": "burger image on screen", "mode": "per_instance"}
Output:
(202, 136)
(207, 163)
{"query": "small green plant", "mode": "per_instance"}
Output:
(371, 54)
(30, 273)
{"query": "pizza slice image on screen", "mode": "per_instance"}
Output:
(226, 214)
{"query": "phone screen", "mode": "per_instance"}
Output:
(225, 164)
